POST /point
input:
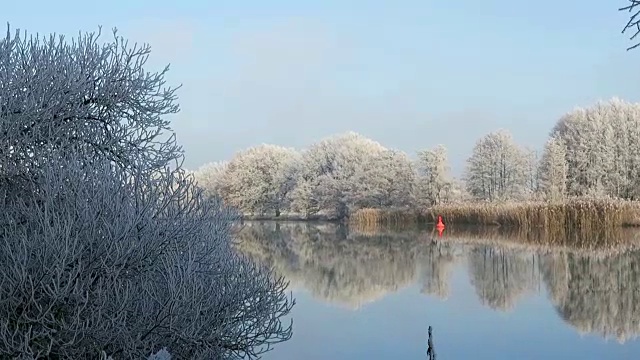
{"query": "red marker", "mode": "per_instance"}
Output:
(440, 226)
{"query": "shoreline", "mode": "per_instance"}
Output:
(572, 213)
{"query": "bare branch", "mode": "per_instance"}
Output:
(634, 20)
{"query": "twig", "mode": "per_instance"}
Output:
(634, 21)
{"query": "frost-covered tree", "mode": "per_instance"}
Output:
(553, 169)
(434, 179)
(259, 180)
(88, 96)
(211, 176)
(530, 172)
(602, 149)
(349, 171)
(304, 197)
(496, 169)
(329, 168)
(106, 245)
(384, 180)
(457, 192)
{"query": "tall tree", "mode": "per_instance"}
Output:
(531, 171)
(495, 170)
(553, 170)
(434, 177)
(603, 149)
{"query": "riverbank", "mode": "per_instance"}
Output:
(579, 213)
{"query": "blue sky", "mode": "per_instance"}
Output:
(410, 74)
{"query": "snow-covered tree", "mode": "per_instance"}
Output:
(259, 180)
(530, 171)
(602, 149)
(553, 169)
(457, 193)
(329, 167)
(434, 179)
(107, 246)
(304, 197)
(210, 177)
(349, 171)
(496, 169)
(88, 96)
(384, 180)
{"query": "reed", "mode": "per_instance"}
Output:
(587, 216)
(374, 217)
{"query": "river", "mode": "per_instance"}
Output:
(488, 294)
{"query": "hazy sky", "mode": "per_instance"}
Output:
(409, 74)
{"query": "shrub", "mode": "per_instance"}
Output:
(96, 260)
(106, 245)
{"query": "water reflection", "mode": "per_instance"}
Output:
(595, 288)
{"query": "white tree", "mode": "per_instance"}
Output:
(457, 193)
(349, 171)
(106, 246)
(530, 172)
(384, 180)
(211, 176)
(304, 197)
(553, 169)
(602, 149)
(495, 170)
(260, 179)
(434, 175)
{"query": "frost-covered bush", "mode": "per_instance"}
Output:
(99, 260)
(93, 97)
(106, 245)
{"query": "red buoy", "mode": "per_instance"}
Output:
(440, 226)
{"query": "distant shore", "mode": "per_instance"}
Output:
(573, 213)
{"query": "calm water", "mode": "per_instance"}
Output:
(370, 295)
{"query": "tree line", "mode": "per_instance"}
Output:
(593, 151)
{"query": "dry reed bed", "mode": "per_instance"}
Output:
(561, 237)
(365, 218)
(588, 216)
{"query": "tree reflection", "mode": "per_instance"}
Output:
(598, 295)
(595, 288)
(500, 276)
(334, 265)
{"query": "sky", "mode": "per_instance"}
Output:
(410, 74)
